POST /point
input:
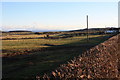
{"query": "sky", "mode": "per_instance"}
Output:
(119, 14)
(55, 16)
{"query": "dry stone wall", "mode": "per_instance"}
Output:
(101, 61)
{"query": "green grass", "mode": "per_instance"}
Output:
(30, 44)
(41, 62)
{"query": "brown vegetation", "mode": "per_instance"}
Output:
(101, 61)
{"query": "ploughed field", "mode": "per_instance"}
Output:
(27, 57)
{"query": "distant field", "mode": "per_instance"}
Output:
(12, 46)
(37, 61)
(23, 36)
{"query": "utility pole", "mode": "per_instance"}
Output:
(105, 30)
(87, 30)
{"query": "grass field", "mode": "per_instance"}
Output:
(38, 62)
(23, 36)
(12, 46)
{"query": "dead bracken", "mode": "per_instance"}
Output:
(101, 61)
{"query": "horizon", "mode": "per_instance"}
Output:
(55, 16)
(54, 30)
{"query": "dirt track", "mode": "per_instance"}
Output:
(101, 61)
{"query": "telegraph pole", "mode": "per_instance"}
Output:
(87, 30)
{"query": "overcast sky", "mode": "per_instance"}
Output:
(47, 16)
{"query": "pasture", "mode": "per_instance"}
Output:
(30, 57)
(22, 45)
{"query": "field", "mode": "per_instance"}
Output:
(33, 44)
(30, 57)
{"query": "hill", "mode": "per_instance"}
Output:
(20, 31)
